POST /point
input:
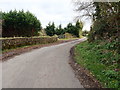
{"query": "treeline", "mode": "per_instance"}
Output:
(25, 24)
(106, 24)
(75, 30)
(20, 23)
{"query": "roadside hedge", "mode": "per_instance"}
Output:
(9, 43)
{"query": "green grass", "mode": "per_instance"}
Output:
(68, 39)
(100, 61)
(6, 50)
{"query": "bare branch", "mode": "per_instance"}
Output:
(85, 9)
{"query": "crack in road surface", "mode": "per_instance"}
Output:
(46, 67)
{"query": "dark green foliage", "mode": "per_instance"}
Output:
(106, 20)
(106, 24)
(20, 24)
(60, 30)
(50, 29)
(78, 26)
(72, 29)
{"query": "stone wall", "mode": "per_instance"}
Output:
(10, 43)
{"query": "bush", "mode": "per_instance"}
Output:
(20, 24)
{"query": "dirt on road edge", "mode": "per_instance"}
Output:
(84, 76)
(11, 53)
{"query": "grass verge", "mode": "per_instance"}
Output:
(100, 61)
(68, 39)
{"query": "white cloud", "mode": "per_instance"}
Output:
(59, 11)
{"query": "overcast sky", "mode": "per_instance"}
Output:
(58, 11)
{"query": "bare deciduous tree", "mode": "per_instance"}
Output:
(85, 9)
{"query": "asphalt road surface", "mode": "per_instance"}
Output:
(46, 67)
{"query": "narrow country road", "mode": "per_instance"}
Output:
(46, 67)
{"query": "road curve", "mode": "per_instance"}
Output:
(46, 67)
